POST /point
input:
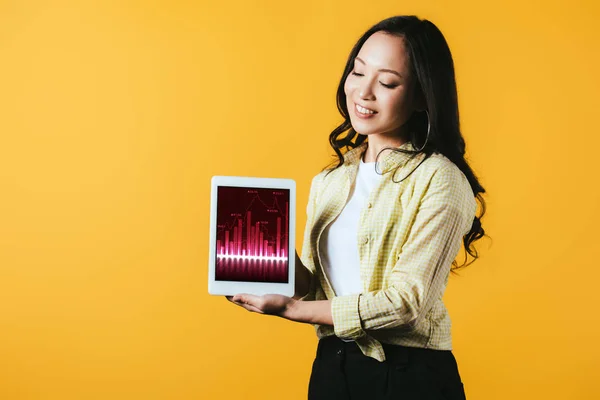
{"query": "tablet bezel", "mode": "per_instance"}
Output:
(229, 288)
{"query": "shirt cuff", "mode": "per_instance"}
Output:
(346, 318)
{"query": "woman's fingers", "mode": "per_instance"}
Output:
(267, 304)
(247, 298)
(249, 302)
(252, 308)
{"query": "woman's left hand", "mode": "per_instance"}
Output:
(272, 304)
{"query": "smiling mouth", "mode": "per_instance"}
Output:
(363, 111)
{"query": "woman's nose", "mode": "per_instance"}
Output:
(365, 91)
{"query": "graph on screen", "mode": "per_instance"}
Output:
(252, 234)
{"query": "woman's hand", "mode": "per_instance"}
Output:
(272, 304)
(310, 312)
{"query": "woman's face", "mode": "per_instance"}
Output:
(382, 83)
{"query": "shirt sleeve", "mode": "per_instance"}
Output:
(306, 256)
(418, 277)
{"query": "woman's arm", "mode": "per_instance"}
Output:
(309, 312)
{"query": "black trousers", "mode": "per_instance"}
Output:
(342, 371)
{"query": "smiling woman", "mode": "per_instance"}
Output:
(377, 250)
(381, 89)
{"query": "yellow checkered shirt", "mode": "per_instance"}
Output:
(409, 233)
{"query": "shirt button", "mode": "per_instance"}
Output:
(366, 240)
(340, 352)
(369, 205)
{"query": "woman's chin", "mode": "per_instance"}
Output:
(362, 131)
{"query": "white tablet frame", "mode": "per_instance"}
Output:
(229, 288)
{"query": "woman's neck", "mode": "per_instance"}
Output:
(376, 143)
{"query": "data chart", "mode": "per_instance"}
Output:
(252, 234)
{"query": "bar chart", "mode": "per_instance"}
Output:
(252, 234)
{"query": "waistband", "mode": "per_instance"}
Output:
(331, 345)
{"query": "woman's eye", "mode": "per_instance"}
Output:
(383, 84)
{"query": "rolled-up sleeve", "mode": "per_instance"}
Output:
(346, 317)
(445, 214)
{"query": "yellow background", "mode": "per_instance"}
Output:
(115, 115)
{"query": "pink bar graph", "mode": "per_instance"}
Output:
(278, 241)
(252, 243)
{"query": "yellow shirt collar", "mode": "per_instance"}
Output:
(387, 161)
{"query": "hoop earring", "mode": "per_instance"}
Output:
(428, 129)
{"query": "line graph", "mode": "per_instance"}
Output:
(252, 234)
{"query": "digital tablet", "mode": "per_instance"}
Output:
(252, 243)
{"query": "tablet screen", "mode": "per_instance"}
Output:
(252, 234)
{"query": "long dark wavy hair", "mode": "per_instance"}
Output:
(432, 65)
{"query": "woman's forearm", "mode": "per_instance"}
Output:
(310, 312)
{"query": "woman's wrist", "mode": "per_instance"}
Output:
(309, 312)
(293, 310)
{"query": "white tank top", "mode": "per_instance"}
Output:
(338, 246)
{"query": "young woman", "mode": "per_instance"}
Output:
(385, 224)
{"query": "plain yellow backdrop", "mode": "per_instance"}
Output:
(115, 115)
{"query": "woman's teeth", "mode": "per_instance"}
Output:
(363, 110)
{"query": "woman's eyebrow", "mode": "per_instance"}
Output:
(381, 69)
